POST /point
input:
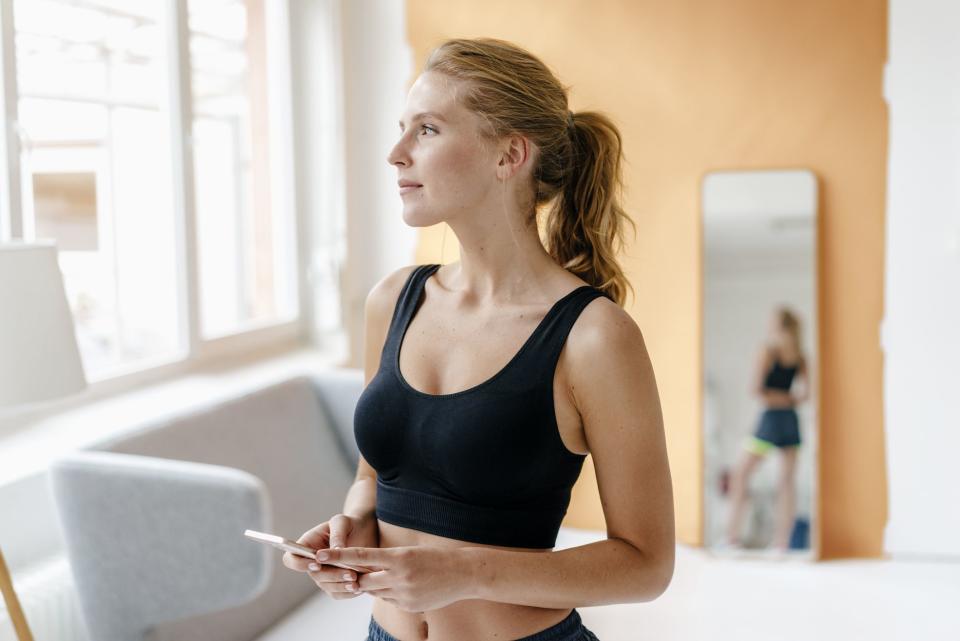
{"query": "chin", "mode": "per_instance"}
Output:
(419, 219)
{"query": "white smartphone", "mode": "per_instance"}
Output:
(297, 548)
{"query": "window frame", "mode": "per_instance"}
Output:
(255, 340)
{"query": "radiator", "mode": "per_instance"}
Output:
(49, 602)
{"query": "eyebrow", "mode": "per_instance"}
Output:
(425, 114)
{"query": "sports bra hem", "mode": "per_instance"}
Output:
(528, 527)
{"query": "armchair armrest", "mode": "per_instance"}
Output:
(152, 540)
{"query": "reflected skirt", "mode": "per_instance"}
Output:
(570, 629)
(778, 427)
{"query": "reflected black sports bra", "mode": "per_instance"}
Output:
(485, 464)
(779, 376)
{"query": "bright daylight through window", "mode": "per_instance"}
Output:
(98, 172)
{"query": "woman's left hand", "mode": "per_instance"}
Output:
(415, 578)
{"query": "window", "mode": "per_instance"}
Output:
(105, 155)
(242, 267)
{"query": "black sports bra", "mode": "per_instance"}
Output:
(485, 464)
(779, 376)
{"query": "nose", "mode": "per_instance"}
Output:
(398, 155)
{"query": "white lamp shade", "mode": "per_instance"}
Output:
(39, 359)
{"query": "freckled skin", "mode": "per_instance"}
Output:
(446, 156)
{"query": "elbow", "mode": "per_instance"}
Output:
(665, 572)
(657, 574)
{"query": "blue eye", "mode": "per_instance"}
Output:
(428, 127)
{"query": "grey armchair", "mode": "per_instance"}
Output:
(154, 521)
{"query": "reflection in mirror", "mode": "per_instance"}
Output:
(760, 362)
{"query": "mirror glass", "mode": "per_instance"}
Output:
(759, 362)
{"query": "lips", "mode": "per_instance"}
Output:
(407, 186)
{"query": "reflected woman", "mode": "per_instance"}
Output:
(779, 363)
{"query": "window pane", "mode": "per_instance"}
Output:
(245, 266)
(95, 170)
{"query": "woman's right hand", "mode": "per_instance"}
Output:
(340, 531)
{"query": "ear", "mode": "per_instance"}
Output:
(514, 154)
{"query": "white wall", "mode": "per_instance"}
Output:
(351, 65)
(922, 296)
(378, 66)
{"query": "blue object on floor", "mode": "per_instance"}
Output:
(799, 538)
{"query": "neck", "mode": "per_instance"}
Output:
(500, 264)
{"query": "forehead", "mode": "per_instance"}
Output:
(434, 93)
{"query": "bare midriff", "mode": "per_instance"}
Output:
(462, 620)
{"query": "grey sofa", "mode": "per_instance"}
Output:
(153, 521)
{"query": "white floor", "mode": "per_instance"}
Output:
(752, 599)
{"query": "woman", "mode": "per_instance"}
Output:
(516, 362)
(779, 363)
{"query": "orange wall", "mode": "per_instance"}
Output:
(697, 86)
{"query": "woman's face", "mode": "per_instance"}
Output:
(443, 153)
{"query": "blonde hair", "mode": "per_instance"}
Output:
(579, 168)
(789, 322)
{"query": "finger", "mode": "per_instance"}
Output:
(296, 562)
(374, 581)
(333, 583)
(348, 566)
(331, 573)
(373, 558)
(316, 537)
(340, 527)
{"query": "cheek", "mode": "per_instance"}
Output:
(456, 169)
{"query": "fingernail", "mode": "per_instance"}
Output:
(314, 567)
(322, 556)
(350, 587)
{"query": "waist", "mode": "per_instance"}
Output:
(465, 619)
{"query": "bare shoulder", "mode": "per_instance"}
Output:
(378, 313)
(604, 339)
(602, 320)
(383, 296)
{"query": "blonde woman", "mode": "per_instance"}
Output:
(780, 362)
(491, 379)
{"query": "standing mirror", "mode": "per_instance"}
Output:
(760, 362)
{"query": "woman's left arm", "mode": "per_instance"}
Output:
(613, 386)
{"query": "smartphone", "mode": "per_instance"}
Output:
(297, 548)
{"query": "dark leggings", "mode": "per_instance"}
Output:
(570, 629)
